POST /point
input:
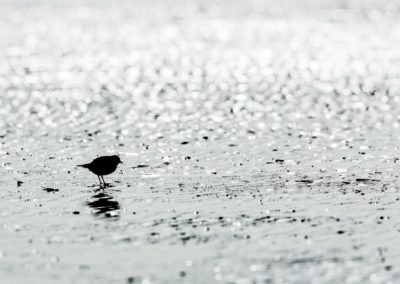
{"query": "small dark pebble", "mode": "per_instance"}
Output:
(140, 166)
(262, 218)
(76, 212)
(305, 180)
(188, 158)
(19, 183)
(49, 189)
(182, 274)
(130, 279)
(340, 232)
(184, 142)
(185, 239)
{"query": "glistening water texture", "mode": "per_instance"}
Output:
(259, 141)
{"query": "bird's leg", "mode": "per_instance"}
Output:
(99, 179)
(102, 177)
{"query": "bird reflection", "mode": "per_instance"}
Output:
(104, 206)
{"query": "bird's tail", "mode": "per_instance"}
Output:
(84, 166)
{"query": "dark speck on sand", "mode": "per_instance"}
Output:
(50, 189)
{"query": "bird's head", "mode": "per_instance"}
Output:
(116, 159)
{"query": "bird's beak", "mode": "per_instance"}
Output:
(120, 162)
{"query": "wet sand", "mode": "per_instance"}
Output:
(260, 142)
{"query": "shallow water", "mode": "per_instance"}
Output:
(260, 142)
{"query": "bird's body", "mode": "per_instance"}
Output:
(102, 166)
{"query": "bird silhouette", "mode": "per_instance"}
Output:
(102, 166)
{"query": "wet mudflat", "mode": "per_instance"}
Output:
(260, 143)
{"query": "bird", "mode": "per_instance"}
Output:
(102, 166)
